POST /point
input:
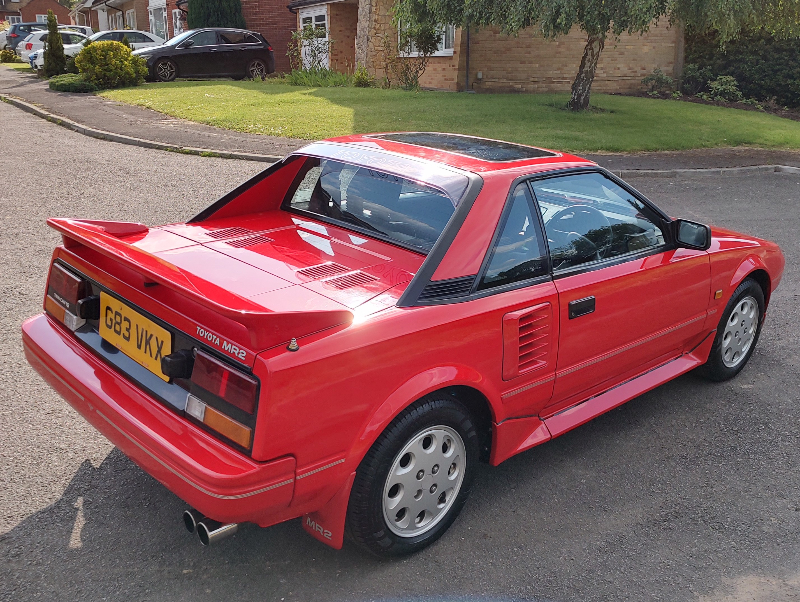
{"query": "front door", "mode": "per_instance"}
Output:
(626, 300)
(315, 51)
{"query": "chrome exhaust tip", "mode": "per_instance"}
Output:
(190, 520)
(210, 531)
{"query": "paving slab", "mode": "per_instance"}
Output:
(145, 124)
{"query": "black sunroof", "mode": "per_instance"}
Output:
(478, 148)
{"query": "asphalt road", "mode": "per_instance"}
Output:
(689, 492)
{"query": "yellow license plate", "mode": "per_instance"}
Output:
(140, 339)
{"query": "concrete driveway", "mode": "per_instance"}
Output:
(689, 492)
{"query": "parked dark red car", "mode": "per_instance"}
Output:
(343, 337)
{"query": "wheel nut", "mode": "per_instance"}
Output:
(435, 469)
(420, 474)
(433, 488)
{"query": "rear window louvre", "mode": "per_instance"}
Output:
(323, 270)
(249, 241)
(230, 233)
(351, 280)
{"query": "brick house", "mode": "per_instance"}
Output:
(31, 11)
(497, 62)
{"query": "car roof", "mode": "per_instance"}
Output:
(470, 153)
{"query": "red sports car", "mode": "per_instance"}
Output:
(346, 335)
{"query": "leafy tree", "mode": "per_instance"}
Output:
(601, 19)
(215, 13)
(419, 37)
(55, 63)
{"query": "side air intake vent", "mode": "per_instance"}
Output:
(350, 280)
(447, 289)
(249, 241)
(527, 340)
(229, 233)
(323, 270)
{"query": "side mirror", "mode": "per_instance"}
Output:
(187, 44)
(691, 235)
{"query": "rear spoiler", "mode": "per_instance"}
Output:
(265, 328)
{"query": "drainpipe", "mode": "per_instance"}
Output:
(466, 81)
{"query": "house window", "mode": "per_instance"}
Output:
(446, 43)
(177, 22)
(115, 21)
(158, 21)
(130, 19)
(42, 18)
(12, 20)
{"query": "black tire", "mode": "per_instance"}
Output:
(717, 368)
(257, 69)
(365, 524)
(165, 70)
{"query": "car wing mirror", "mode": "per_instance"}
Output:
(187, 44)
(691, 235)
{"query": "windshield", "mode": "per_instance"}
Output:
(179, 38)
(372, 201)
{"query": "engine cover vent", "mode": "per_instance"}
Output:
(351, 280)
(229, 233)
(249, 241)
(447, 289)
(323, 270)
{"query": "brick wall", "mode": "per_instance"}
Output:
(39, 7)
(342, 23)
(275, 22)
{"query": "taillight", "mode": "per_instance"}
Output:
(217, 378)
(13, 35)
(211, 376)
(28, 45)
(269, 48)
(68, 298)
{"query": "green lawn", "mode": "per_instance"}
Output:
(620, 123)
(24, 67)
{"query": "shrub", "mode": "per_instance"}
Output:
(362, 78)
(8, 56)
(215, 13)
(694, 79)
(318, 78)
(658, 83)
(71, 67)
(110, 65)
(125, 41)
(71, 82)
(766, 67)
(724, 88)
(55, 62)
(308, 51)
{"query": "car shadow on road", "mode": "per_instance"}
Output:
(593, 513)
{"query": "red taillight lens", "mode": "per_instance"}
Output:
(64, 290)
(236, 388)
(29, 46)
(269, 48)
(13, 35)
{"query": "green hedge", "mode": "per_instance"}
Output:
(71, 82)
(765, 67)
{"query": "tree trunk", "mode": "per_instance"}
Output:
(582, 86)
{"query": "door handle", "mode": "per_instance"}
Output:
(581, 307)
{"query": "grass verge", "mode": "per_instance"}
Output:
(618, 123)
(24, 67)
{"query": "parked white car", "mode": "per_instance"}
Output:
(136, 38)
(84, 29)
(3, 35)
(37, 39)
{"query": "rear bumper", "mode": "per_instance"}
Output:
(216, 480)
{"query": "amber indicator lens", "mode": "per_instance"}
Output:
(66, 288)
(236, 388)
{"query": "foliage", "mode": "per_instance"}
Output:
(600, 19)
(319, 78)
(125, 41)
(4, 25)
(55, 63)
(71, 82)
(419, 34)
(215, 13)
(9, 56)
(110, 65)
(309, 49)
(71, 67)
(362, 78)
(694, 78)
(724, 89)
(765, 66)
(625, 124)
(658, 83)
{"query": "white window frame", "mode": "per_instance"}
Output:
(448, 31)
(177, 22)
(115, 20)
(13, 20)
(43, 19)
(154, 6)
(130, 18)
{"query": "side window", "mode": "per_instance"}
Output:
(588, 218)
(134, 37)
(204, 38)
(519, 253)
(106, 37)
(231, 37)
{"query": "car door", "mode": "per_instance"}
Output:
(234, 53)
(627, 300)
(197, 55)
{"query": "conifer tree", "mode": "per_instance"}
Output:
(215, 13)
(55, 63)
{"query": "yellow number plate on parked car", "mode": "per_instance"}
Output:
(140, 339)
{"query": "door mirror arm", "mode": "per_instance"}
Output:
(691, 235)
